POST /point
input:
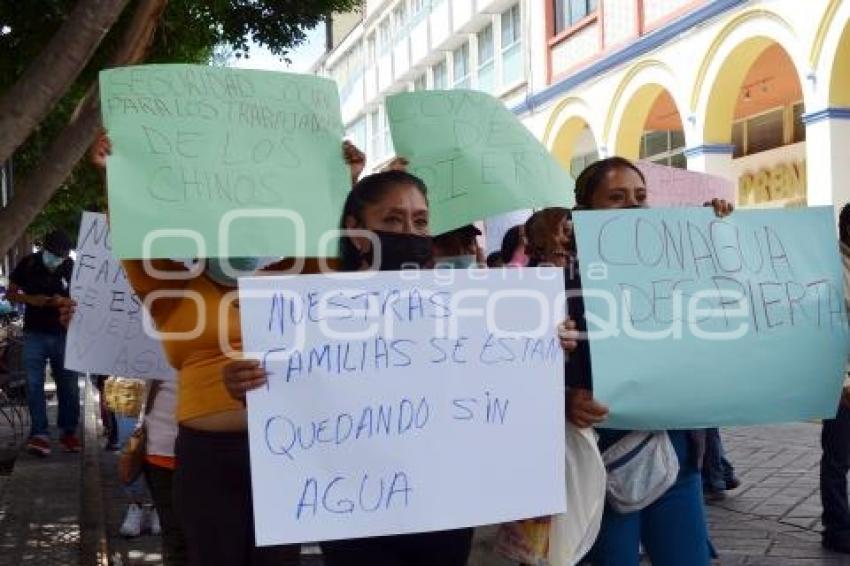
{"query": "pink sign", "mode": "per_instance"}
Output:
(669, 186)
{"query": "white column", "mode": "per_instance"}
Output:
(828, 157)
(715, 159)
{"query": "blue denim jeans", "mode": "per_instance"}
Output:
(136, 492)
(39, 349)
(673, 529)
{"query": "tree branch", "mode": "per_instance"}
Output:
(53, 72)
(34, 191)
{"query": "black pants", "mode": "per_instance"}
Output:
(443, 548)
(717, 471)
(834, 465)
(213, 498)
(161, 486)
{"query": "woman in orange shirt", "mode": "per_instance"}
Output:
(198, 317)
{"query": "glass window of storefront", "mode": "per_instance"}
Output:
(768, 130)
(664, 147)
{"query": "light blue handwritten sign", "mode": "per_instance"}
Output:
(404, 402)
(698, 321)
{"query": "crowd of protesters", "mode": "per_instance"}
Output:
(196, 471)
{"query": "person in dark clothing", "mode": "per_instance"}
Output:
(718, 474)
(41, 282)
(835, 437)
(458, 248)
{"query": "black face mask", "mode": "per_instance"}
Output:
(400, 251)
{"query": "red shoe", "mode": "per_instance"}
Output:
(71, 443)
(39, 446)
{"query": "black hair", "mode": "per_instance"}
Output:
(494, 259)
(590, 178)
(844, 224)
(58, 243)
(537, 228)
(369, 190)
(510, 242)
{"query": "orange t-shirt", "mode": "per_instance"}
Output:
(187, 312)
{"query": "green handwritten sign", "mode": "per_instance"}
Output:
(215, 162)
(476, 157)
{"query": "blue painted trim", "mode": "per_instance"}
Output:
(834, 113)
(640, 47)
(710, 149)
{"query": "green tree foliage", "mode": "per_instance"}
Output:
(190, 31)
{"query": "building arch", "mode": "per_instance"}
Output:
(728, 60)
(570, 120)
(632, 102)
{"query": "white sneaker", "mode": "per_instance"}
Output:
(132, 525)
(152, 520)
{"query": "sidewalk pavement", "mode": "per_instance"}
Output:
(41, 512)
(66, 509)
(774, 517)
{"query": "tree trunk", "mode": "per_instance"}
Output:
(49, 77)
(33, 192)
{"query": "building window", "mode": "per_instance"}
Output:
(570, 12)
(416, 6)
(370, 50)
(399, 19)
(440, 76)
(511, 46)
(664, 147)
(738, 140)
(357, 132)
(375, 143)
(420, 82)
(768, 130)
(486, 60)
(387, 136)
(798, 133)
(384, 35)
(579, 162)
(460, 67)
(765, 131)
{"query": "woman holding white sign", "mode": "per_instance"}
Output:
(668, 518)
(391, 208)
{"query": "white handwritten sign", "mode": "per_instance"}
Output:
(404, 402)
(106, 335)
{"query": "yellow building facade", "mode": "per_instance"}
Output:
(754, 91)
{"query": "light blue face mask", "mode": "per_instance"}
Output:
(239, 267)
(455, 262)
(51, 261)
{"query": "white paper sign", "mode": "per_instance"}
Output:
(106, 335)
(404, 402)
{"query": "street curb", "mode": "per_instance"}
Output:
(93, 542)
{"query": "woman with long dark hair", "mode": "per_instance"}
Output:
(672, 528)
(390, 208)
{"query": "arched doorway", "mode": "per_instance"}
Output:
(758, 109)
